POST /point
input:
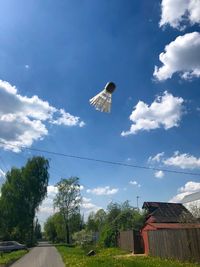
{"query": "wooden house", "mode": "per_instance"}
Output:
(162, 215)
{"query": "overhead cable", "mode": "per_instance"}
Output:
(101, 160)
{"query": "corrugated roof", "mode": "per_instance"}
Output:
(164, 212)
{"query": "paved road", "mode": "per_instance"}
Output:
(44, 255)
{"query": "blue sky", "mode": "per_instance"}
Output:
(64, 52)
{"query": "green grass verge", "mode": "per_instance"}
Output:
(7, 258)
(75, 257)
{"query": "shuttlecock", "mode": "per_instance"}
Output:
(103, 100)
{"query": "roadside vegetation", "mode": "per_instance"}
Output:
(102, 227)
(7, 258)
(113, 257)
(21, 194)
(98, 233)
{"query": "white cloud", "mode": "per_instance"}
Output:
(183, 161)
(103, 191)
(81, 187)
(178, 13)
(52, 190)
(159, 174)
(2, 174)
(67, 119)
(23, 119)
(189, 188)
(135, 183)
(2, 178)
(46, 209)
(87, 206)
(156, 158)
(165, 111)
(181, 56)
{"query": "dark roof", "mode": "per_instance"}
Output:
(164, 212)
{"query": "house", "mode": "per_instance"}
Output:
(162, 215)
(192, 203)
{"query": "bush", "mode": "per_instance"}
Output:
(108, 237)
(83, 238)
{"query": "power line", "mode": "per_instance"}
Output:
(101, 160)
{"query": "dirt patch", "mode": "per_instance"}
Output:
(130, 255)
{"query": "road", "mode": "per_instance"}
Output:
(44, 255)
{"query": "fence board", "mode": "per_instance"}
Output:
(126, 240)
(181, 244)
(131, 240)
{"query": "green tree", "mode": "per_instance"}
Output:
(37, 230)
(21, 195)
(119, 217)
(54, 227)
(68, 201)
(100, 218)
(96, 221)
(36, 177)
(91, 223)
(50, 229)
(76, 223)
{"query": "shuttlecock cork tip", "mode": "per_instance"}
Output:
(110, 87)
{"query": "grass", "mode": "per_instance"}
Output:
(7, 258)
(76, 257)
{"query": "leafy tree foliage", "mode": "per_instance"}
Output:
(55, 230)
(83, 238)
(68, 201)
(118, 217)
(21, 194)
(96, 221)
(37, 230)
(100, 218)
(92, 224)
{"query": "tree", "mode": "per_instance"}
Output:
(54, 227)
(37, 230)
(100, 218)
(91, 223)
(68, 201)
(96, 221)
(83, 238)
(119, 217)
(50, 229)
(36, 177)
(21, 195)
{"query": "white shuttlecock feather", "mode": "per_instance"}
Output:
(103, 100)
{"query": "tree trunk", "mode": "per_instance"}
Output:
(66, 221)
(32, 232)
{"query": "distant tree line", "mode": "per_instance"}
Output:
(116, 218)
(21, 194)
(67, 224)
